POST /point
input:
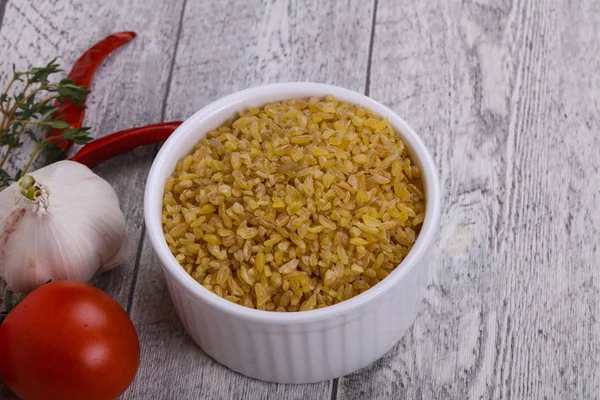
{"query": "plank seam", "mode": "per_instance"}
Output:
(3, 4)
(370, 54)
(335, 384)
(170, 77)
(334, 389)
(136, 268)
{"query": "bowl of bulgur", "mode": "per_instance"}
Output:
(294, 223)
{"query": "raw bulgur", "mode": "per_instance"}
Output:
(295, 206)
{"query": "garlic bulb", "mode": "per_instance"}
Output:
(59, 222)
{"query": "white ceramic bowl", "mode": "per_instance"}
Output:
(298, 347)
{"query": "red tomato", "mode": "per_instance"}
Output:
(68, 340)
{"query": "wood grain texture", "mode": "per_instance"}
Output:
(219, 52)
(2, 8)
(505, 94)
(137, 71)
(129, 88)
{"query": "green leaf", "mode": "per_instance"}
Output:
(67, 90)
(42, 111)
(4, 175)
(48, 114)
(78, 135)
(40, 75)
(44, 108)
(31, 134)
(58, 124)
(11, 138)
(36, 106)
(3, 135)
(5, 179)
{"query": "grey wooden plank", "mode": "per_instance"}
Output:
(2, 8)
(231, 45)
(137, 71)
(2, 284)
(224, 47)
(506, 95)
(129, 89)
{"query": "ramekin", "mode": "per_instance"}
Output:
(299, 347)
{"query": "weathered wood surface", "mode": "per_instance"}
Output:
(506, 94)
(220, 52)
(129, 89)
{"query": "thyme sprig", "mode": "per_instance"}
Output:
(28, 109)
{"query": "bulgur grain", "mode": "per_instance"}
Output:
(294, 206)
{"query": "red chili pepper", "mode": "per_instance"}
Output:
(82, 75)
(121, 142)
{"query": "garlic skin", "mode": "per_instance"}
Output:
(70, 229)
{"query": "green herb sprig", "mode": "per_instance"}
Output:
(31, 104)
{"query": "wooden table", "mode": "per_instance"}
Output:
(506, 94)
